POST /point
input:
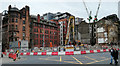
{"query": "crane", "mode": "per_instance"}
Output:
(71, 24)
(92, 34)
(89, 14)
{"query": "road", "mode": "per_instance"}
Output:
(97, 58)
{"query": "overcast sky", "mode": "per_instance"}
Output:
(74, 7)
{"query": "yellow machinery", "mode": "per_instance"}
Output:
(71, 24)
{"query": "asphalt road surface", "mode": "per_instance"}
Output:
(96, 58)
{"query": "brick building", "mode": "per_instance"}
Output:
(15, 25)
(43, 32)
(107, 30)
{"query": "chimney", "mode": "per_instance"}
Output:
(38, 18)
(9, 7)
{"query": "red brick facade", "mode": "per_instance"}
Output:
(15, 23)
(51, 33)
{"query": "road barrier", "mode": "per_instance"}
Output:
(57, 53)
(9, 55)
(66, 53)
(13, 56)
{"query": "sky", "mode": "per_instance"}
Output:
(75, 7)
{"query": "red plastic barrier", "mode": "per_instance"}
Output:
(54, 53)
(91, 51)
(104, 50)
(98, 50)
(14, 56)
(83, 52)
(69, 53)
(4, 53)
(28, 53)
(43, 53)
(10, 55)
(21, 53)
(35, 53)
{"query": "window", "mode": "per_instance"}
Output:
(12, 26)
(51, 37)
(51, 32)
(15, 39)
(9, 20)
(23, 37)
(16, 15)
(46, 36)
(35, 42)
(16, 20)
(46, 42)
(37, 29)
(40, 41)
(41, 25)
(41, 35)
(55, 33)
(16, 27)
(46, 27)
(37, 35)
(23, 34)
(55, 37)
(55, 28)
(46, 31)
(40, 30)
(23, 28)
(55, 42)
(36, 24)
(12, 19)
(23, 21)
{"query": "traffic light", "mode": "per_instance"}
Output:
(89, 18)
(95, 19)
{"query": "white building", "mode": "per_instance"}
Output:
(61, 32)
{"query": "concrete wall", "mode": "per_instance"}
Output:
(83, 30)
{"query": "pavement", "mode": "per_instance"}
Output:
(96, 58)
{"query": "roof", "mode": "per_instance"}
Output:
(14, 9)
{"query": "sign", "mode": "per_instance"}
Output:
(69, 48)
(101, 40)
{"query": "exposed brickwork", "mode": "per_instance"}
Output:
(13, 25)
